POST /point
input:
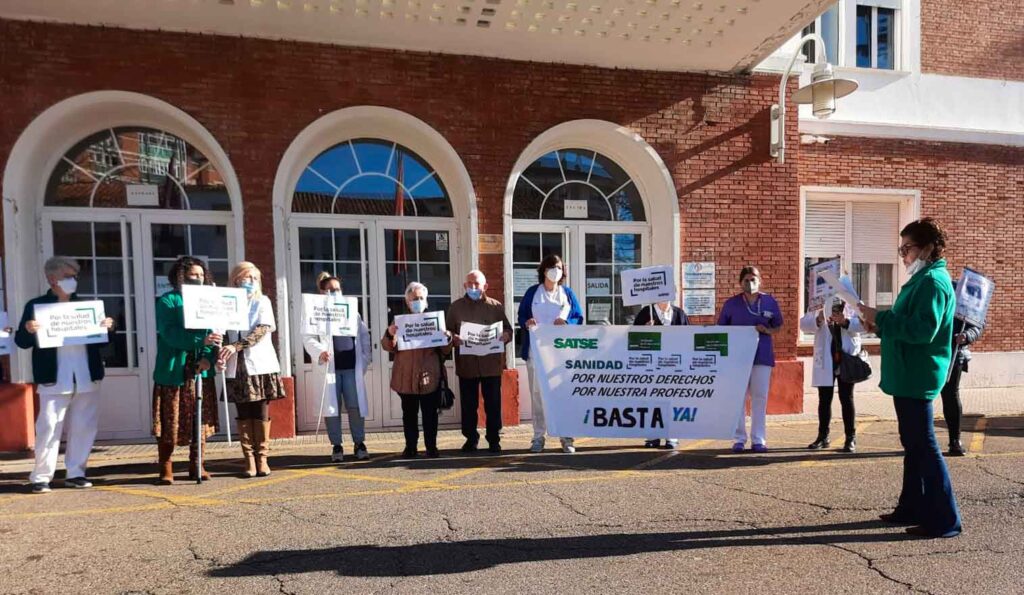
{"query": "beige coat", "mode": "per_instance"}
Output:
(414, 371)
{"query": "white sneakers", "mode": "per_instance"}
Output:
(567, 446)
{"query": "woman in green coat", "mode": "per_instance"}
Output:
(180, 353)
(916, 351)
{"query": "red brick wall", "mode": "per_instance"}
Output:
(979, 38)
(973, 190)
(255, 96)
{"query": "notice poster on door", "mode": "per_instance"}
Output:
(6, 340)
(648, 285)
(420, 331)
(327, 316)
(209, 307)
(599, 286)
(523, 279)
(70, 323)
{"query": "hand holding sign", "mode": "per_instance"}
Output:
(207, 307)
(420, 331)
(70, 323)
(481, 339)
(650, 285)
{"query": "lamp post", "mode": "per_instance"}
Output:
(821, 93)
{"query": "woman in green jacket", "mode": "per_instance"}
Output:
(916, 351)
(180, 353)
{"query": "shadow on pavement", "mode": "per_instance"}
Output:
(453, 557)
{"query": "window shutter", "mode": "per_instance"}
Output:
(875, 232)
(825, 229)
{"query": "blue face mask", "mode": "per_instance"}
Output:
(248, 286)
(474, 293)
(418, 306)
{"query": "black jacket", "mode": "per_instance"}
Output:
(678, 316)
(44, 361)
(963, 352)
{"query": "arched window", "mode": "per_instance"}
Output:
(576, 184)
(371, 177)
(138, 168)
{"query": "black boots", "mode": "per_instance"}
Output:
(820, 442)
(851, 443)
(956, 448)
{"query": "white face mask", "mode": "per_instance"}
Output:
(68, 286)
(751, 286)
(915, 266)
(553, 274)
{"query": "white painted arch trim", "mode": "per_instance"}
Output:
(634, 155)
(368, 122)
(45, 141)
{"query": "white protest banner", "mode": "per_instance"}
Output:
(699, 302)
(661, 382)
(6, 341)
(326, 316)
(648, 285)
(698, 275)
(209, 307)
(70, 323)
(419, 331)
(481, 339)
(818, 289)
(973, 296)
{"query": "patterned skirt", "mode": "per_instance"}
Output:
(174, 410)
(244, 388)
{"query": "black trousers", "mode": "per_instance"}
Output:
(490, 387)
(846, 403)
(952, 408)
(258, 410)
(412, 405)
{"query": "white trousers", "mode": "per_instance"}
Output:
(757, 390)
(83, 411)
(540, 426)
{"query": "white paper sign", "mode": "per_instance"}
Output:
(326, 316)
(576, 209)
(843, 288)
(648, 285)
(699, 302)
(698, 275)
(661, 382)
(441, 241)
(818, 289)
(70, 323)
(481, 339)
(973, 296)
(420, 331)
(143, 195)
(208, 307)
(523, 279)
(6, 340)
(599, 286)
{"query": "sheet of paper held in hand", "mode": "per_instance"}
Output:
(843, 288)
(481, 339)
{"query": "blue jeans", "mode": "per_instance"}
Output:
(347, 394)
(927, 497)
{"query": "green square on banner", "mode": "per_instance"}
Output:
(711, 342)
(644, 341)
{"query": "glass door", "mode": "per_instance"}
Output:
(342, 251)
(606, 256)
(528, 249)
(106, 247)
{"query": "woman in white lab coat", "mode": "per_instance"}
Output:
(341, 362)
(839, 332)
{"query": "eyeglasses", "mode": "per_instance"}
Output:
(905, 249)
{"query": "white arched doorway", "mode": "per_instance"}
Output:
(598, 195)
(378, 198)
(124, 183)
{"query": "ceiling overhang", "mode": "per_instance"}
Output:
(671, 35)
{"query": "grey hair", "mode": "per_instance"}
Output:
(56, 265)
(477, 273)
(412, 287)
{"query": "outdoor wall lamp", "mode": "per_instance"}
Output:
(822, 93)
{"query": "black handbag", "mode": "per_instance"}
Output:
(853, 368)
(446, 397)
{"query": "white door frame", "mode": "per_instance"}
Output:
(384, 407)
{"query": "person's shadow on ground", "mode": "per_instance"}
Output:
(453, 557)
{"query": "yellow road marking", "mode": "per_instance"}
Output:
(175, 499)
(978, 440)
